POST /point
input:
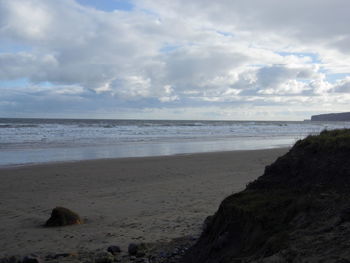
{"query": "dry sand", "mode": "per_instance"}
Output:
(123, 200)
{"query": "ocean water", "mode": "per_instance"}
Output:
(27, 141)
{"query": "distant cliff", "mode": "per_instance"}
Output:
(345, 116)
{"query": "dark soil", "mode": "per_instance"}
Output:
(297, 211)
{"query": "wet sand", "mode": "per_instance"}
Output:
(122, 200)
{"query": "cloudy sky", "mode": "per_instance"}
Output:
(159, 59)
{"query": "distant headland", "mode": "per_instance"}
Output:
(344, 116)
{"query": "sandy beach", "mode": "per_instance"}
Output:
(122, 200)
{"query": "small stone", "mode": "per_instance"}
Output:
(12, 259)
(114, 249)
(192, 238)
(31, 259)
(132, 249)
(104, 257)
(61, 255)
(175, 252)
(49, 257)
(140, 254)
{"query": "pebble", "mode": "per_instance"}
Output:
(61, 255)
(137, 253)
(31, 259)
(132, 249)
(12, 259)
(104, 257)
(140, 254)
(114, 249)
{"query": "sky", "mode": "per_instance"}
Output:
(158, 59)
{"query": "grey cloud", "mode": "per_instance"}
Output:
(318, 22)
(14, 66)
(342, 86)
(202, 68)
(277, 79)
(272, 77)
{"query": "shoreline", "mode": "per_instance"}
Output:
(123, 200)
(44, 163)
(49, 153)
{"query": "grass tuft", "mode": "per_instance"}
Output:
(327, 140)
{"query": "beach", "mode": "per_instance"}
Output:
(148, 199)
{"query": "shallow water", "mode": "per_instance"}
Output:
(24, 141)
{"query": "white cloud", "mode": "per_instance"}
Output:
(132, 86)
(24, 20)
(179, 54)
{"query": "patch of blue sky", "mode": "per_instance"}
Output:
(22, 82)
(46, 84)
(168, 48)
(108, 5)
(150, 13)
(314, 57)
(258, 65)
(226, 34)
(332, 78)
(14, 48)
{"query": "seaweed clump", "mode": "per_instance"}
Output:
(61, 216)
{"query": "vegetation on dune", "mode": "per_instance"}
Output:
(302, 196)
(327, 140)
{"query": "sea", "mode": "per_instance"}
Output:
(32, 141)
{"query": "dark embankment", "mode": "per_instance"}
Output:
(297, 211)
